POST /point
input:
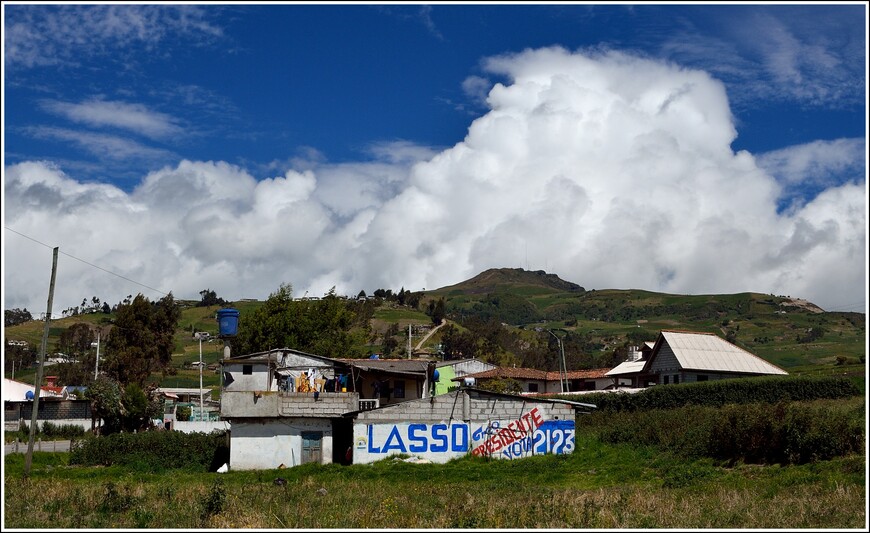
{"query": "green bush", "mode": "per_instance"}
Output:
(768, 390)
(64, 431)
(154, 451)
(49, 431)
(785, 433)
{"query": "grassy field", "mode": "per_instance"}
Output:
(598, 486)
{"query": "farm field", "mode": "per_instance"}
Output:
(599, 486)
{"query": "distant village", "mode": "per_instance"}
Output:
(285, 407)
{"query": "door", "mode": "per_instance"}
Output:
(311, 446)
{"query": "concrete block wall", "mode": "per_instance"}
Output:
(248, 404)
(452, 405)
(56, 410)
(459, 423)
(327, 404)
(263, 404)
(460, 405)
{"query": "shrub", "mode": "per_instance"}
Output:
(49, 430)
(154, 450)
(788, 432)
(770, 390)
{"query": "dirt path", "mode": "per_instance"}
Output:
(431, 331)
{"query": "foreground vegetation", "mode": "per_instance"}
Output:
(788, 464)
(598, 486)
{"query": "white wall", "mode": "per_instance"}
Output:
(270, 442)
(202, 427)
(258, 380)
(533, 434)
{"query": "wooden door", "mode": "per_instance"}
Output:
(311, 447)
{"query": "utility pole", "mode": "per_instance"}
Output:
(28, 459)
(409, 341)
(200, 379)
(562, 383)
(97, 367)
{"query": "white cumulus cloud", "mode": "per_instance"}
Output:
(609, 170)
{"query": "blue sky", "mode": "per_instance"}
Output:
(238, 147)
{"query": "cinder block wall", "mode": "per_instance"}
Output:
(468, 406)
(328, 404)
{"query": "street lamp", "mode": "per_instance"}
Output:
(562, 384)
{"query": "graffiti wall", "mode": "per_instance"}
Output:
(529, 434)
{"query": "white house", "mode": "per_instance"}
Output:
(283, 409)
(687, 357)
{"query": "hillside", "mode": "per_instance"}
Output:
(508, 279)
(786, 331)
(791, 333)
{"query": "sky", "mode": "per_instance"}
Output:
(684, 149)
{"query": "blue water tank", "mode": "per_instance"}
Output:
(435, 376)
(228, 322)
(28, 395)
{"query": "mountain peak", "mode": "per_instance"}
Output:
(494, 279)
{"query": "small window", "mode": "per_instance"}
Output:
(702, 377)
(398, 389)
(533, 387)
(676, 379)
(667, 380)
(247, 369)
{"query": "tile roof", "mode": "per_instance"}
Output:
(533, 373)
(595, 373)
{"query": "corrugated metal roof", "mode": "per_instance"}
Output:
(404, 366)
(706, 351)
(628, 367)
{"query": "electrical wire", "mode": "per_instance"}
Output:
(87, 263)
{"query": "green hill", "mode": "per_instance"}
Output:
(791, 333)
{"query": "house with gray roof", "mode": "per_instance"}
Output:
(688, 357)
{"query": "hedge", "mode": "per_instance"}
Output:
(154, 450)
(787, 432)
(769, 389)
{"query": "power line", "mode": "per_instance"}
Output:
(87, 263)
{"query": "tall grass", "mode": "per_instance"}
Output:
(786, 432)
(598, 486)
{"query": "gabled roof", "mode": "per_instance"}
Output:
(275, 355)
(708, 352)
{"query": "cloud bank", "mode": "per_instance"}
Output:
(610, 170)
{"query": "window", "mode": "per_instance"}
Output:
(398, 389)
(676, 379)
(667, 380)
(247, 369)
(533, 387)
(702, 377)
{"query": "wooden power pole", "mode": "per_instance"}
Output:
(38, 385)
